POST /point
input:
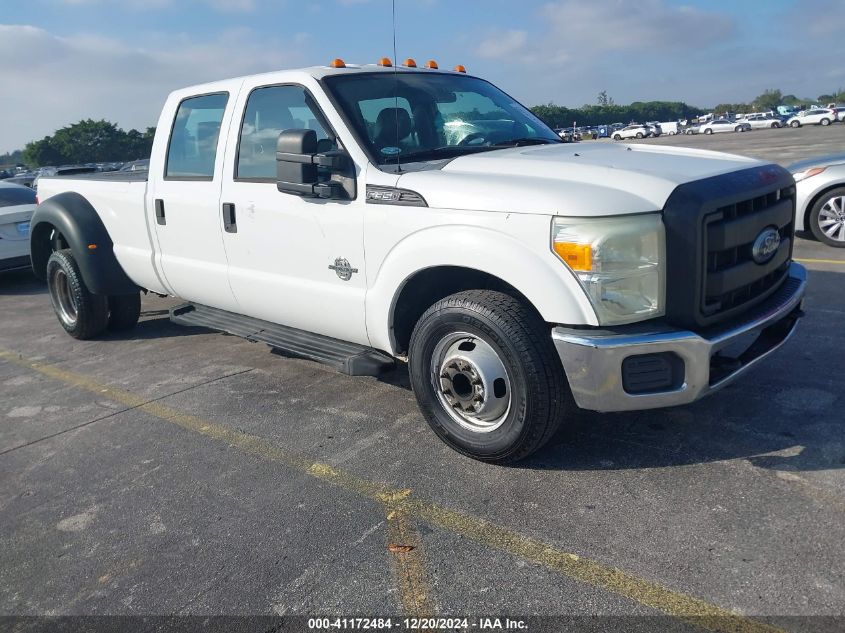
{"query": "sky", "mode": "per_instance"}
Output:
(66, 60)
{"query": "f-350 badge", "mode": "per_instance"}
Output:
(343, 268)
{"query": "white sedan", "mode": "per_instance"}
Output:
(761, 121)
(818, 116)
(723, 125)
(16, 206)
(820, 198)
(632, 131)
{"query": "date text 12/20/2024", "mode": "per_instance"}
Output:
(417, 624)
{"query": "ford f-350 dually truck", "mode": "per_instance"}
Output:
(363, 214)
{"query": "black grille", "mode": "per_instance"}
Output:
(732, 278)
(711, 226)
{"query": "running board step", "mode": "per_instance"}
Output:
(347, 358)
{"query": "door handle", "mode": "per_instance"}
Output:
(230, 223)
(159, 204)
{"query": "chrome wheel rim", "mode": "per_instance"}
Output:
(832, 218)
(471, 382)
(62, 297)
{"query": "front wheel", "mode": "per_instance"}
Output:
(708, 131)
(827, 218)
(617, 137)
(486, 375)
(83, 315)
(795, 124)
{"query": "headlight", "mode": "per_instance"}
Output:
(807, 173)
(620, 262)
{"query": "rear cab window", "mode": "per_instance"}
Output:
(192, 148)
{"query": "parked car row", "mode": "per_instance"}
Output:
(756, 121)
(30, 178)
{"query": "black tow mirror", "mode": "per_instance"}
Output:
(297, 161)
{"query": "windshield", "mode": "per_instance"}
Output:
(429, 116)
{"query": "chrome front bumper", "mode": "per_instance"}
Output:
(593, 359)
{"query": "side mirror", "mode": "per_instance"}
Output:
(297, 162)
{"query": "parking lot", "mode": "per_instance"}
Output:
(181, 471)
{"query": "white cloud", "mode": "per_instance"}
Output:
(53, 81)
(502, 44)
(585, 31)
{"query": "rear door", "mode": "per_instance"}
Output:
(183, 201)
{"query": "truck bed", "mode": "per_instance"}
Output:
(108, 176)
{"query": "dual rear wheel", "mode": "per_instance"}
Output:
(82, 314)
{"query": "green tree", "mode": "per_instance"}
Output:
(561, 116)
(769, 100)
(89, 142)
(43, 152)
(603, 100)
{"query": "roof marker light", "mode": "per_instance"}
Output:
(460, 69)
(410, 63)
(337, 63)
(385, 61)
(431, 64)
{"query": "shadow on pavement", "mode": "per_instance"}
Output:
(21, 282)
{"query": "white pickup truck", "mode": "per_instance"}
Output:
(359, 215)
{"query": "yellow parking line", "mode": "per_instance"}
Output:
(405, 545)
(640, 590)
(820, 261)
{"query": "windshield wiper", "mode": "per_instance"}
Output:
(451, 151)
(435, 153)
(528, 140)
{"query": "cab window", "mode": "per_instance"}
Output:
(268, 112)
(192, 150)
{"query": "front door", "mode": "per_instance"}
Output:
(292, 260)
(183, 203)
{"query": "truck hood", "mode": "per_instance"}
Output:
(588, 179)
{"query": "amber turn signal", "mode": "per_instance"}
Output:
(577, 256)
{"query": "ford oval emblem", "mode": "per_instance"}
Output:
(765, 245)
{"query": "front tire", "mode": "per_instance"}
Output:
(486, 375)
(827, 218)
(83, 315)
(617, 137)
(708, 131)
(795, 124)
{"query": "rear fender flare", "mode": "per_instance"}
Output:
(77, 221)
